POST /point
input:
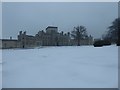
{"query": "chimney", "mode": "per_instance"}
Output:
(20, 33)
(25, 33)
(10, 38)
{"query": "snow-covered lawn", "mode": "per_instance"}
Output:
(0, 69)
(61, 67)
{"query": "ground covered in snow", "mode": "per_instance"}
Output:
(61, 67)
(0, 69)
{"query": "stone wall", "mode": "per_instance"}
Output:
(6, 44)
(0, 43)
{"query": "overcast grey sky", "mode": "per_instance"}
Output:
(35, 16)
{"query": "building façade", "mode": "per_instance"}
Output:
(49, 37)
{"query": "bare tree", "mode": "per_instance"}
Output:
(79, 33)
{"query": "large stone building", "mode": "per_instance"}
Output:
(49, 37)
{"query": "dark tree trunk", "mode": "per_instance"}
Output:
(23, 46)
(78, 42)
(57, 43)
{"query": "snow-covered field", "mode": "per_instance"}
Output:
(61, 67)
(0, 69)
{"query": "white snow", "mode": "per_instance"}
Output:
(0, 69)
(61, 67)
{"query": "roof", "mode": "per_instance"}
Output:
(51, 27)
(9, 39)
(29, 35)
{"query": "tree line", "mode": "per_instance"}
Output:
(113, 33)
(112, 36)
